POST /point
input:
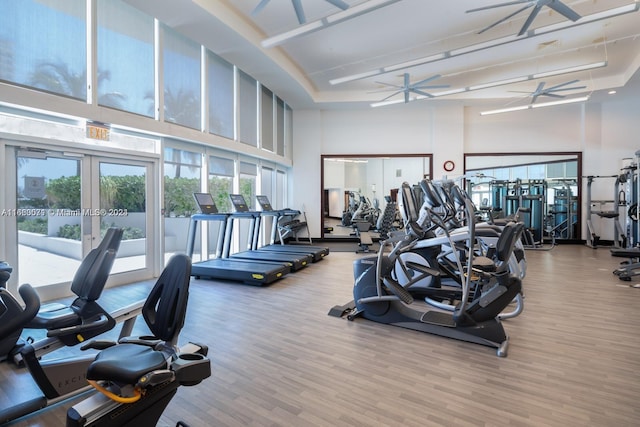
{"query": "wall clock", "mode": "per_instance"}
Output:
(449, 166)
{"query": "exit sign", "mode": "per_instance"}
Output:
(99, 131)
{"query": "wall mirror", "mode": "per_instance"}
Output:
(348, 180)
(546, 185)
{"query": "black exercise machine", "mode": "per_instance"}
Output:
(317, 252)
(248, 272)
(295, 261)
(138, 376)
(65, 326)
(377, 296)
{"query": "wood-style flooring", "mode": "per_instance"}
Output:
(278, 359)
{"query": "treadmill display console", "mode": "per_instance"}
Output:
(238, 202)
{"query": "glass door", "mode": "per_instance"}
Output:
(122, 199)
(48, 217)
(59, 207)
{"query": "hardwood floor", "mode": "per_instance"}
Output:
(278, 359)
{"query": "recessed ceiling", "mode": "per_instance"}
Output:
(304, 70)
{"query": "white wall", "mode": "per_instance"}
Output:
(605, 130)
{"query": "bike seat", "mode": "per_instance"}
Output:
(140, 360)
(56, 319)
(485, 264)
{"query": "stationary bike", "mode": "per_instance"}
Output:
(66, 326)
(138, 376)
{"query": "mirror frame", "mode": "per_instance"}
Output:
(578, 155)
(360, 156)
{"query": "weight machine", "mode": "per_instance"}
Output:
(629, 194)
(601, 211)
(527, 201)
(562, 218)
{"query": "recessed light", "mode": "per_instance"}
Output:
(612, 92)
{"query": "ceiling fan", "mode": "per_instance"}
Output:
(556, 5)
(297, 6)
(407, 88)
(552, 91)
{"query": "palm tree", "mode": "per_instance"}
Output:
(58, 78)
(182, 107)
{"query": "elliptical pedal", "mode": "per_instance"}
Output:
(438, 318)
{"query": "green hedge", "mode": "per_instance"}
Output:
(128, 192)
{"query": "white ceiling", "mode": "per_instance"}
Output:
(300, 70)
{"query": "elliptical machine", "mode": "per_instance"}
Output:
(435, 260)
(377, 296)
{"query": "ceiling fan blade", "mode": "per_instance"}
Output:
(539, 88)
(390, 85)
(428, 79)
(396, 88)
(505, 18)
(391, 96)
(406, 96)
(259, 7)
(429, 87)
(530, 19)
(498, 5)
(339, 4)
(551, 95)
(565, 88)
(564, 10)
(562, 84)
(297, 6)
(420, 92)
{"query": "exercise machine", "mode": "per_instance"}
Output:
(601, 211)
(138, 376)
(68, 325)
(380, 298)
(248, 272)
(442, 242)
(59, 378)
(295, 261)
(562, 217)
(631, 267)
(275, 244)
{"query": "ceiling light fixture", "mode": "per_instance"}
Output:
(632, 7)
(350, 13)
(567, 70)
(499, 83)
(534, 106)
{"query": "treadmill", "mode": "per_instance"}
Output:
(295, 261)
(317, 252)
(251, 273)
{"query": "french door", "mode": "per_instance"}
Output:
(59, 206)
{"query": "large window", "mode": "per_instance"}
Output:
(266, 103)
(248, 107)
(279, 126)
(287, 141)
(248, 183)
(125, 58)
(43, 45)
(181, 59)
(221, 101)
(181, 179)
(221, 173)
